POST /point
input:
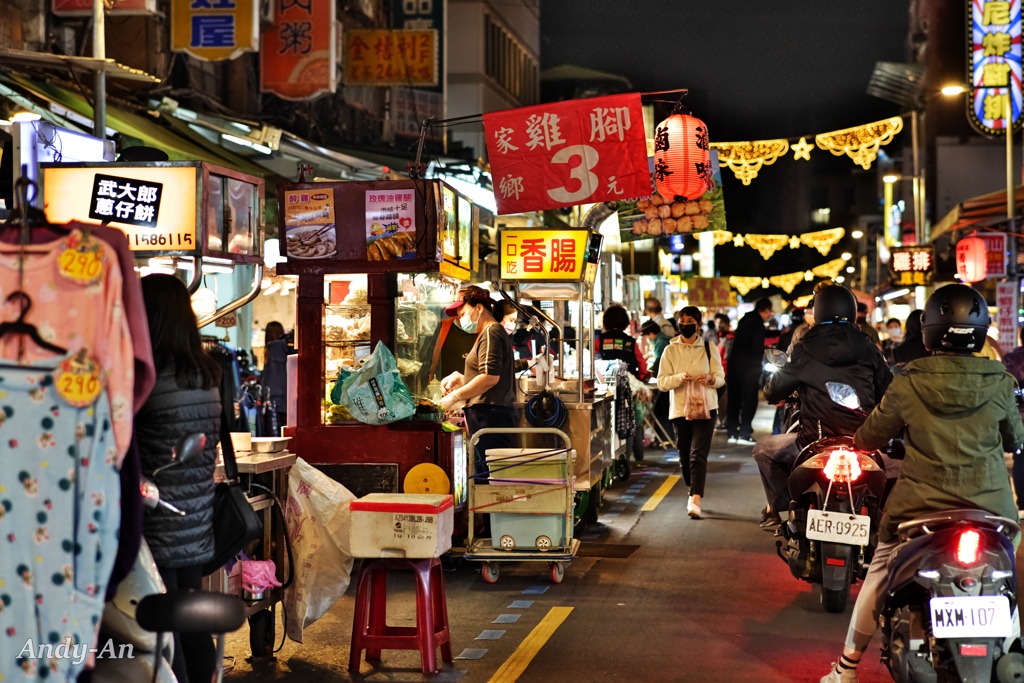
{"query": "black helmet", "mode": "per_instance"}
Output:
(955, 319)
(834, 304)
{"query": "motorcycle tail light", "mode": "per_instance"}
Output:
(967, 547)
(842, 466)
(973, 650)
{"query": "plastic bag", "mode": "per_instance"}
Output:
(259, 575)
(318, 518)
(696, 404)
(375, 393)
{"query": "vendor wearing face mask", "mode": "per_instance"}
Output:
(486, 387)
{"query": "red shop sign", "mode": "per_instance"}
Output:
(578, 152)
(298, 53)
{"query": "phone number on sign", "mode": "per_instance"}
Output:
(157, 240)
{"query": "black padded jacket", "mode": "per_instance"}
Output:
(833, 352)
(170, 413)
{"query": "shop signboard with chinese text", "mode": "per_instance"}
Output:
(82, 8)
(994, 63)
(391, 57)
(562, 154)
(995, 244)
(298, 52)
(540, 254)
(161, 206)
(215, 30)
(410, 106)
(911, 266)
(1007, 313)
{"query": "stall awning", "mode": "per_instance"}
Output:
(980, 211)
(46, 60)
(139, 126)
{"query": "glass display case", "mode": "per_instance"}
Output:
(419, 312)
(346, 334)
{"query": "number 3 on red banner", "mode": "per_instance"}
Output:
(589, 182)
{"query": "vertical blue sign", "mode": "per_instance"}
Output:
(994, 63)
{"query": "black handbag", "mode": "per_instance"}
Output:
(235, 523)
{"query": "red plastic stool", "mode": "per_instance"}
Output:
(370, 631)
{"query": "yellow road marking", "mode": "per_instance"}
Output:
(515, 665)
(662, 491)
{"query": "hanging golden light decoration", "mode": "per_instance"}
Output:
(803, 301)
(787, 282)
(830, 269)
(823, 240)
(861, 143)
(802, 150)
(745, 159)
(766, 245)
(722, 237)
(744, 284)
(737, 241)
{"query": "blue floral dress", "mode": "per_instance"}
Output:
(59, 517)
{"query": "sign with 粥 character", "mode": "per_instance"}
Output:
(391, 57)
(298, 53)
(540, 254)
(551, 156)
(994, 65)
(215, 30)
(911, 266)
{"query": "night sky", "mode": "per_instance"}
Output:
(761, 68)
(756, 69)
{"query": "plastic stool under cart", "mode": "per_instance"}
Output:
(531, 516)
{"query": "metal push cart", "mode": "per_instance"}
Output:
(543, 499)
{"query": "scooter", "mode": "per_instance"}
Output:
(837, 497)
(126, 621)
(950, 608)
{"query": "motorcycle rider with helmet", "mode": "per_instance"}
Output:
(960, 415)
(833, 350)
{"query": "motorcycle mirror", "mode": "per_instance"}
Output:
(187, 449)
(843, 394)
(776, 357)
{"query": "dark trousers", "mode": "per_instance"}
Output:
(723, 405)
(775, 456)
(1018, 478)
(194, 654)
(742, 403)
(694, 441)
(483, 416)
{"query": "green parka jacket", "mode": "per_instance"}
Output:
(961, 416)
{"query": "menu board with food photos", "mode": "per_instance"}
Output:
(376, 226)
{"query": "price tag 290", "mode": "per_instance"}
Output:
(79, 380)
(82, 261)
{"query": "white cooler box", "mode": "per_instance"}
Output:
(413, 525)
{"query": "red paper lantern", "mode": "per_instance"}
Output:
(682, 163)
(971, 259)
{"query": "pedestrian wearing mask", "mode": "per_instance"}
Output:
(614, 344)
(691, 370)
(487, 385)
(894, 336)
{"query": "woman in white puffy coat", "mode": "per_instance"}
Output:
(688, 360)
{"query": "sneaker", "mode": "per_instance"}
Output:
(848, 676)
(770, 520)
(732, 439)
(744, 441)
(692, 509)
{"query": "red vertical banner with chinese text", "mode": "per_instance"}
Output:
(298, 52)
(578, 152)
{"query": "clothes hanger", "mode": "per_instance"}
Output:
(20, 327)
(26, 215)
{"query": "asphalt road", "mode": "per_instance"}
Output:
(697, 600)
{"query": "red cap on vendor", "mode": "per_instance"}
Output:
(471, 295)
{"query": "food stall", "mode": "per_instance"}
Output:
(555, 269)
(376, 262)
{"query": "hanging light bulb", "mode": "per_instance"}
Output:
(204, 302)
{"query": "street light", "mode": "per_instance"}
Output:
(857, 234)
(847, 256)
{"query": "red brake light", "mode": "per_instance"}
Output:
(843, 465)
(967, 547)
